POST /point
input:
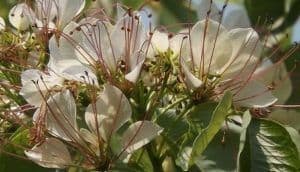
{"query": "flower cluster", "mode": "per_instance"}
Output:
(99, 87)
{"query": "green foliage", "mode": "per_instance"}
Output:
(225, 143)
(13, 162)
(262, 9)
(218, 118)
(267, 146)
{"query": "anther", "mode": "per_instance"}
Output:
(78, 28)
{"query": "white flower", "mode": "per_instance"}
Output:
(119, 47)
(227, 58)
(111, 112)
(234, 16)
(2, 24)
(64, 63)
(21, 16)
(50, 154)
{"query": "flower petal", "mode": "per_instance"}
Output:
(45, 9)
(33, 85)
(112, 110)
(2, 24)
(191, 81)
(139, 134)
(270, 74)
(67, 10)
(61, 116)
(160, 41)
(21, 16)
(128, 44)
(210, 45)
(254, 95)
(63, 62)
(50, 154)
(246, 52)
(275, 75)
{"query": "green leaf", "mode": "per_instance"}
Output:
(205, 137)
(133, 3)
(15, 164)
(264, 9)
(173, 129)
(225, 143)
(141, 157)
(267, 146)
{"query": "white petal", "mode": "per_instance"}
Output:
(63, 62)
(139, 134)
(67, 10)
(133, 43)
(255, 95)
(91, 138)
(50, 154)
(33, 86)
(97, 46)
(136, 64)
(135, 73)
(120, 12)
(210, 46)
(269, 74)
(160, 41)
(176, 43)
(45, 9)
(61, 116)
(2, 24)
(191, 81)
(246, 52)
(21, 16)
(112, 110)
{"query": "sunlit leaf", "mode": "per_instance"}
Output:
(267, 147)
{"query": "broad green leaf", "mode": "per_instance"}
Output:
(173, 129)
(225, 143)
(205, 137)
(141, 157)
(267, 146)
